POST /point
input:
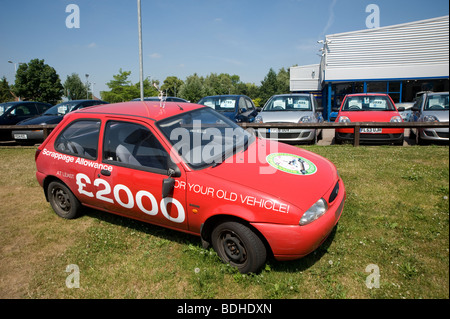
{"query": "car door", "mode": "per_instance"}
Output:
(139, 165)
(79, 142)
(246, 110)
(417, 111)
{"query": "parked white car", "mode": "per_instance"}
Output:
(431, 107)
(290, 108)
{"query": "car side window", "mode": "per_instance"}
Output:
(242, 104)
(42, 107)
(133, 145)
(79, 138)
(25, 110)
(250, 106)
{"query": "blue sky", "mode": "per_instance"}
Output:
(183, 37)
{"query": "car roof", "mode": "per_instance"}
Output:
(224, 95)
(148, 109)
(22, 102)
(291, 94)
(364, 94)
(436, 93)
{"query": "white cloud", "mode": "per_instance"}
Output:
(92, 45)
(330, 18)
(155, 55)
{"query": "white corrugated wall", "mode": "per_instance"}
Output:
(411, 50)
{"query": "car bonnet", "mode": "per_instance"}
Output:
(442, 116)
(369, 116)
(281, 171)
(284, 116)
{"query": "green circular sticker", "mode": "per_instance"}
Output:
(292, 164)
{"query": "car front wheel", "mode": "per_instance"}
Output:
(62, 200)
(237, 245)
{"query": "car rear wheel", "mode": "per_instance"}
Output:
(62, 200)
(237, 245)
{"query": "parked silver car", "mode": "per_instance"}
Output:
(431, 107)
(290, 108)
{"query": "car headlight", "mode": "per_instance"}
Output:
(258, 119)
(344, 119)
(314, 212)
(430, 118)
(306, 119)
(396, 119)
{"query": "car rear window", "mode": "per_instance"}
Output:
(80, 138)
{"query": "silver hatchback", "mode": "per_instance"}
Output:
(290, 108)
(431, 107)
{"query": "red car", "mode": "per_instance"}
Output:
(369, 107)
(186, 167)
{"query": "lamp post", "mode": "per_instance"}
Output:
(87, 86)
(141, 69)
(15, 71)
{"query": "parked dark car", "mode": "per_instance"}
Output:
(54, 115)
(13, 112)
(238, 108)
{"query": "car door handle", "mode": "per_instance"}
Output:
(105, 172)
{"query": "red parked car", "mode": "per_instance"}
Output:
(369, 107)
(186, 167)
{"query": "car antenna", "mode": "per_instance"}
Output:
(162, 100)
(180, 107)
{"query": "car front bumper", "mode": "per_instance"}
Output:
(290, 242)
(26, 136)
(387, 135)
(288, 135)
(434, 134)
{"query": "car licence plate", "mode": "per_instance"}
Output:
(20, 136)
(278, 130)
(370, 130)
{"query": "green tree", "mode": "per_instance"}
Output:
(74, 88)
(38, 81)
(283, 78)
(172, 85)
(5, 91)
(269, 86)
(192, 89)
(121, 88)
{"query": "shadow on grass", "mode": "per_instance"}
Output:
(141, 226)
(187, 239)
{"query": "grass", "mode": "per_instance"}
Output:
(396, 217)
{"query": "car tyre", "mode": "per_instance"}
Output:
(62, 200)
(237, 245)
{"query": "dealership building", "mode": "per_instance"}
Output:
(400, 60)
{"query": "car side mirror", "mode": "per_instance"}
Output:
(401, 109)
(168, 186)
(258, 109)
